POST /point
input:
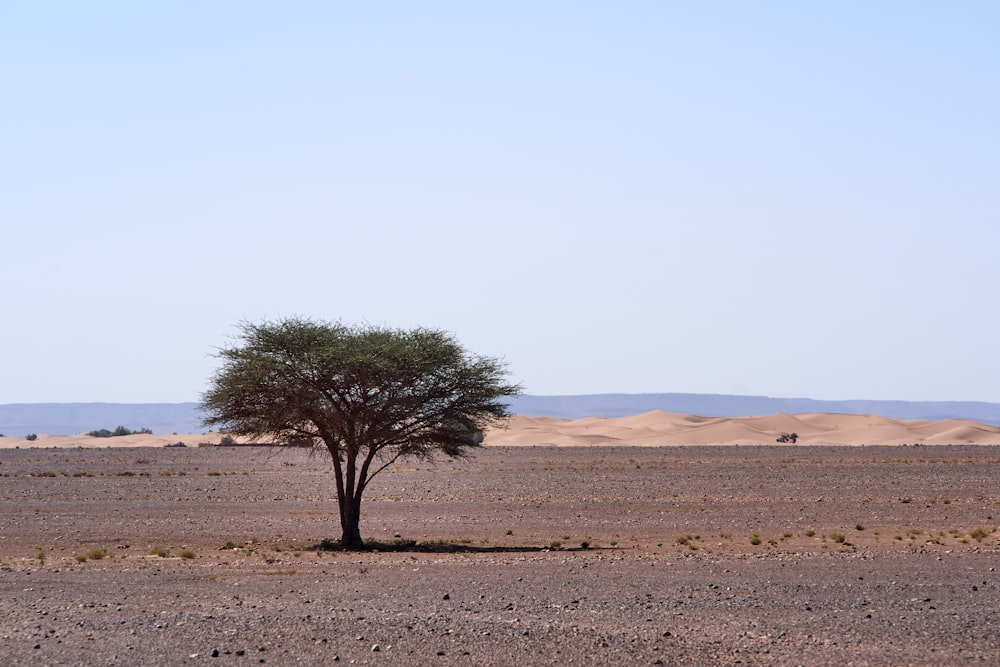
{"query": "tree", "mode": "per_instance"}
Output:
(370, 395)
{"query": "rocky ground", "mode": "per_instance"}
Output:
(674, 556)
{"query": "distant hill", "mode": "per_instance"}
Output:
(73, 418)
(725, 405)
(165, 418)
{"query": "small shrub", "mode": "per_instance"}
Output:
(31, 437)
(162, 552)
(585, 545)
(97, 554)
(839, 538)
(555, 544)
(809, 533)
(978, 534)
(755, 539)
(119, 431)
(227, 441)
(81, 558)
(187, 554)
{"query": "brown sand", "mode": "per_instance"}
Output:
(748, 555)
(655, 428)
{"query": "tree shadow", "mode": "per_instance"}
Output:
(436, 547)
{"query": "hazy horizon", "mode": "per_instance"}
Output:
(779, 199)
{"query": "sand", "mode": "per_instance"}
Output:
(656, 428)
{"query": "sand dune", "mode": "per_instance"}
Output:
(648, 429)
(90, 442)
(663, 428)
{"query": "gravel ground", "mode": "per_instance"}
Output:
(864, 556)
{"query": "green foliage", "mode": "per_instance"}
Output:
(369, 394)
(119, 431)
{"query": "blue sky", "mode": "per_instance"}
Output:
(780, 198)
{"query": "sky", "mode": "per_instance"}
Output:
(772, 198)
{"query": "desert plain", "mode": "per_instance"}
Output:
(596, 542)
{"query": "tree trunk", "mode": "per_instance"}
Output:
(350, 518)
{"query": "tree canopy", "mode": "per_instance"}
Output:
(369, 394)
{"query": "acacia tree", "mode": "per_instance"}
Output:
(370, 395)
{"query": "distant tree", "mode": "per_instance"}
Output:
(370, 395)
(31, 436)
